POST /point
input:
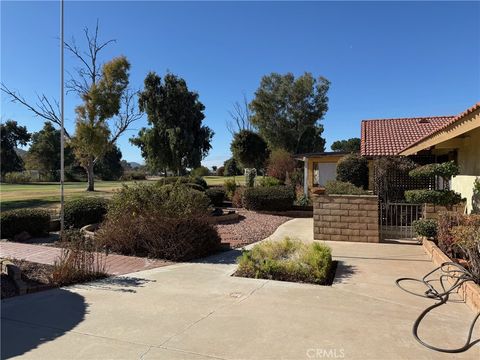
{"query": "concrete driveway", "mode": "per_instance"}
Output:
(199, 311)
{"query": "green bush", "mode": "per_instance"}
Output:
(183, 180)
(445, 170)
(303, 200)
(158, 236)
(287, 260)
(268, 181)
(34, 221)
(200, 171)
(84, 211)
(216, 195)
(438, 197)
(171, 200)
(425, 227)
(17, 177)
(333, 187)
(275, 198)
(353, 169)
(133, 175)
(230, 186)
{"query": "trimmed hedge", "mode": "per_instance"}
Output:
(274, 198)
(426, 227)
(353, 168)
(216, 195)
(85, 211)
(334, 187)
(34, 221)
(437, 197)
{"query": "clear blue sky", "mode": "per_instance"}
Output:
(383, 59)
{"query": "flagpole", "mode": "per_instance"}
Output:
(62, 130)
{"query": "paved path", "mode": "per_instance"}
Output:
(199, 311)
(115, 264)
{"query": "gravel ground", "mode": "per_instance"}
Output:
(251, 227)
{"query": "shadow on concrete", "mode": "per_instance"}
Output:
(343, 273)
(126, 284)
(29, 321)
(227, 257)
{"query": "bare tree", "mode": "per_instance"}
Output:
(240, 117)
(83, 79)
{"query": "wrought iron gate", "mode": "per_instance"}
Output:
(396, 220)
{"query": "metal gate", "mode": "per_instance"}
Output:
(396, 220)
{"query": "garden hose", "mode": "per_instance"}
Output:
(459, 275)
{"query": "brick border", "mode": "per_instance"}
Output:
(469, 291)
(346, 218)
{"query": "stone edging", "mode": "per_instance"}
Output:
(290, 213)
(469, 291)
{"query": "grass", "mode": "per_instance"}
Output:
(47, 194)
(287, 260)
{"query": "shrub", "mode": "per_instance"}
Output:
(466, 238)
(220, 171)
(157, 236)
(133, 175)
(237, 198)
(79, 260)
(84, 211)
(444, 170)
(275, 198)
(303, 200)
(200, 171)
(425, 227)
(250, 175)
(177, 200)
(216, 195)
(287, 260)
(280, 163)
(476, 197)
(33, 221)
(183, 180)
(17, 177)
(339, 188)
(230, 186)
(446, 221)
(438, 197)
(268, 181)
(353, 169)
(232, 167)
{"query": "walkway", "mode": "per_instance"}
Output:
(115, 264)
(199, 311)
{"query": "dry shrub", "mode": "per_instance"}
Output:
(177, 239)
(237, 198)
(79, 261)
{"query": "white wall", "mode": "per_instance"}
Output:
(463, 184)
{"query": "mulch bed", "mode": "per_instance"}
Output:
(251, 227)
(36, 276)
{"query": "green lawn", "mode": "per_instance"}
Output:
(47, 195)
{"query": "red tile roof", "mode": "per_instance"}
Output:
(448, 123)
(390, 136)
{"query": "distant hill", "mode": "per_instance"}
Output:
(134, 164)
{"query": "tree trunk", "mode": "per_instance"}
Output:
(90, 179)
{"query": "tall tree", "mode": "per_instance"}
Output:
(108, 106)
(249, 149)
(232, 167)
(240, 117)
(44, 152)
(287, 111)
(351, 145)
(176, 139)
(109, 167)
(12, 135)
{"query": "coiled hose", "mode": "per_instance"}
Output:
(450, 271)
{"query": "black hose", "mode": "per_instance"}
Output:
(460, 275)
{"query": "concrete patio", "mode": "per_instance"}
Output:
(199, 311)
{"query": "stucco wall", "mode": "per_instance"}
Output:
(469, 154)
(346, 218)
(463, 184)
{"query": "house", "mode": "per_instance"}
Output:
(458, 139)
(318, 168)
(426, 140)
